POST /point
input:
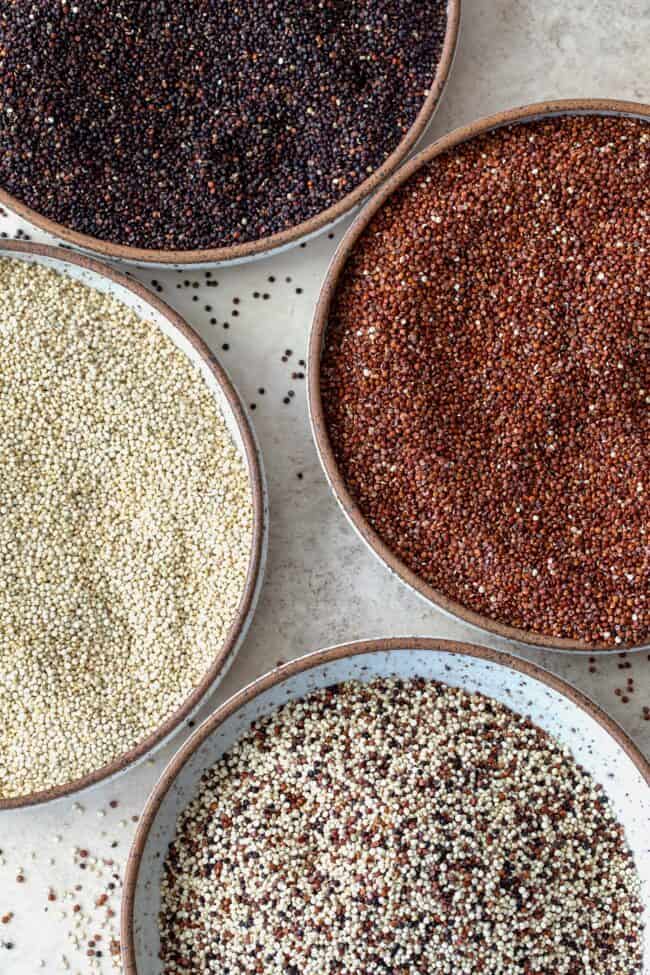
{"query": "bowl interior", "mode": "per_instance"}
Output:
(228, 404)
(592, 745)
(283, 240)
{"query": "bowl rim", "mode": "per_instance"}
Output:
(308, 662)
(450, 607)
(253, 460)
(265, 245)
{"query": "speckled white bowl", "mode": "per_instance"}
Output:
(148, 307)
(596, 741)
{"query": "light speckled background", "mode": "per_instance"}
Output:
(322, 586)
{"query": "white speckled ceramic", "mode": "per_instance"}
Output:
(148, 307)
(596, 741)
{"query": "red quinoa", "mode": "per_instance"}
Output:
(486, 379)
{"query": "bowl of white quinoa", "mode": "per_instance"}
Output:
(401, 805)
(132, 523)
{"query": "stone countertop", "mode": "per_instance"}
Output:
(322, 586)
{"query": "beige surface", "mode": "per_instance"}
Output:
(322, 586)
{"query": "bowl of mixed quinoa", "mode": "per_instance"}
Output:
(478, 375)
(132, 522)
(396, 805)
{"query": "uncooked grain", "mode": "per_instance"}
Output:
(125, 529)
(206, 124)
(399, 827)
(485, 377)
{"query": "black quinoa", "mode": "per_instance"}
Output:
(203, 124)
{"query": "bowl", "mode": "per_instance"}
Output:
(596, 741)
(275, 243)
(516, 636)
(147, 306)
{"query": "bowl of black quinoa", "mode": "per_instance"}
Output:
(186, 134)
(394, 805)
(478, 375)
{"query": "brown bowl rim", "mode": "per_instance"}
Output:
(265, 245)
(254, 468)
(308, 662)
(521, 115)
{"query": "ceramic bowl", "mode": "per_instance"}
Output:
(596, 741)
(516, 636)
(148, 306)
(274, 244)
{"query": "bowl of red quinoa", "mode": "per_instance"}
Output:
(134, 523)
(203, 133)
(479, 375)
(401, 804)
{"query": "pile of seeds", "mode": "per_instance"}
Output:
(125, 528)
(188, 125)
(399, 827)
(486, 377)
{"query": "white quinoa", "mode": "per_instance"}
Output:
(125, 528)
(397, 828)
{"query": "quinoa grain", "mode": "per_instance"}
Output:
(399, 827)
(485, 377)
(125, 529)
(205, 124)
